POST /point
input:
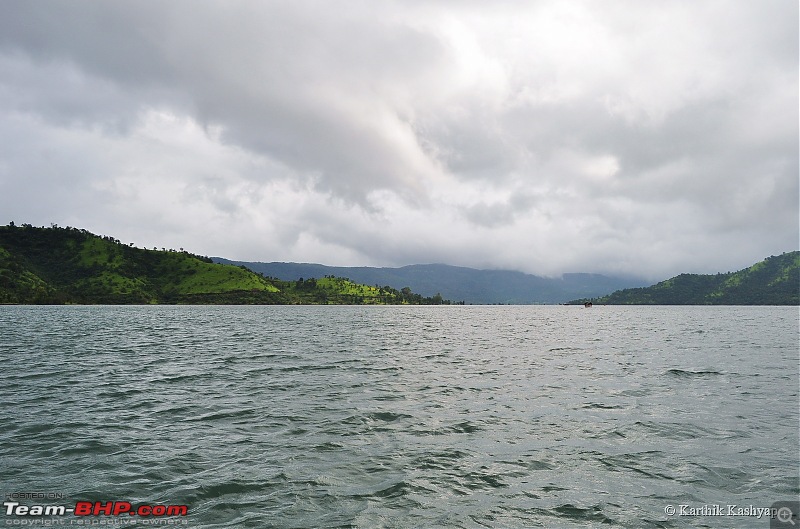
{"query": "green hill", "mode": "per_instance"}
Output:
(69, 265)
(773, 281)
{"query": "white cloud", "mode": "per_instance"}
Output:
(633, 137)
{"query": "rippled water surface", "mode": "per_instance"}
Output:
(404, 416)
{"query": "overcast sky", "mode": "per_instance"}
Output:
(638, 137)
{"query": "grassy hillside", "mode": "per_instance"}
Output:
(773, 281)
(69, 265)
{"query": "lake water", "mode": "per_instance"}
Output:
(346, 416)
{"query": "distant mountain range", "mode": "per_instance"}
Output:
(773, 281)
(455, 282)
(70, 265)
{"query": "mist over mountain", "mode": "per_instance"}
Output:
(457, 283)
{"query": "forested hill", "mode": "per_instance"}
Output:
(773, 281)
(69, 265)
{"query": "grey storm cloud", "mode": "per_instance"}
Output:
(637, 137)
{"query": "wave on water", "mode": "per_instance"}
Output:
(686, 373)
(404, 417)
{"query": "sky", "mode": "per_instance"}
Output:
(636, 137)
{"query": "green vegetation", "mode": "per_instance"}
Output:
(342, 291)
(773, 281)
(69, 265)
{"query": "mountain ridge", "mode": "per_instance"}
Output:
(70, 265)
(456, 282)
